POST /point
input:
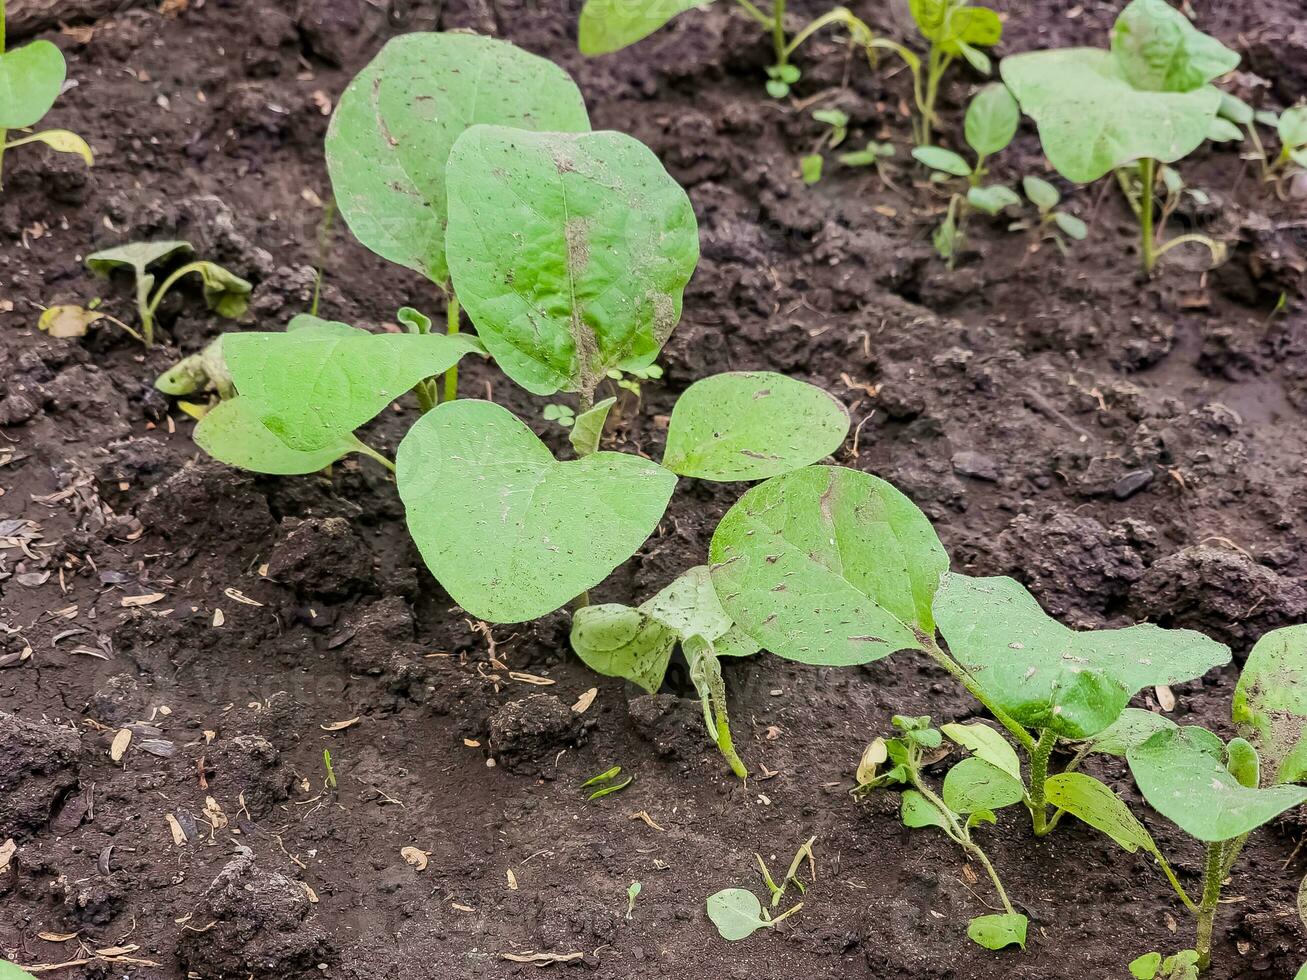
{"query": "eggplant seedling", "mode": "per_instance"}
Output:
(972, 790)
(1053, 223)
(873, 155)
(1145, 102)
(32, 77)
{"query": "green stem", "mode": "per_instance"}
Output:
(1212, 879)
(933, 651)
(778, 32)
(371, 453)
(1175, 883)
(1147, 241)
(755, 13)
(1038, 776)
(145, 309)
(452, 328)
(1232, 851)
(961, 836)
(837, 16)
(936, 66)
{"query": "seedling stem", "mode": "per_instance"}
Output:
(1023, 737)
(451, 376)
(1148, 178)
(1038, 775)
(4, 133)
(1212, 878)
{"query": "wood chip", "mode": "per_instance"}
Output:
(132, 601)
(310, 893)
(1165, 697)
(471, 743)
(236, 595)
(178, 835)
(518, 675)
(57, 937)
(585, 700)
(218, 617)
(120, 743)
(541, 959)
(512, 879)
(340, 726)
(7, 851)
(415, 857)
(643, 816)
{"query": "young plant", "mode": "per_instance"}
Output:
(837, 131)
(1053, 223)
(225, 293)
(1178, 966)
(972, 790)
(873, 155)
(205, 373)
(738, 914)
(31, 78)
(954, 29)
(1146, 101)
(991, 122)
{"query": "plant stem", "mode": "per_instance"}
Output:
(451, 376)
(1147, 242)
(145, 309)
(933, 651)
(1232, 851)
(1211, 898)
(1175, 883)
(752, 10)
(961, 836)
(371, 453)
(1038, 775)
(778, 32)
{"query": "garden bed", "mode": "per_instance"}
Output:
(1131, 450)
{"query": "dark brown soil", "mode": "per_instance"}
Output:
(1129, 450)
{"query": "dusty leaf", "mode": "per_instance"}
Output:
(340, 726)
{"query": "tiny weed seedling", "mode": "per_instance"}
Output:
(1178, 966)
(605, 784)
(837, 131)
(738, 914)
(804, 853)
(991, 122)
(952, 29)
(32, 78)
(972, 790)
(1052, 223)
(1290, 127)
(1146, 101)
(330, 781)
(873, 155)
(632, 894)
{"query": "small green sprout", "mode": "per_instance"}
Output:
(804, 853)
(632, 894)
(738, 914)
(836, 132)
(1053, 223)
(873, 155)
(564, 415)
(953, 29)
(1178, 966)
(1145, 102)
(607, 778)
(331, 770)
(32, 78)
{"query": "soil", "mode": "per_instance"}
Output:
(1130, 450)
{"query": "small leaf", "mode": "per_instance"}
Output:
(610, 25)
(1042, 194)
(31, 78)
(1093, 802)
(1145, 967)
(945, 161)
(233, 431)
(1224, 131)
(1159, 50)
(992, 119)
(736, 913)
(1071, 226)
(1236, 110)
(62, 141)
(1292, 126)
(985, 743)
(992, 199)
(998, 931)
(810, 168)
(67, 321)
(827, 565)
(1242, 762)
(974, 784)
(511, 533)
(916, 811)
(588, 427)
(1270, 703)
(751, 426)
(137, 256)
(226, 293)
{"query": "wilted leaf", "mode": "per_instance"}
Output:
(67, 321)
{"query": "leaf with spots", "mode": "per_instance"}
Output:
(234, 432)
(1050, 677)
(511, 533)
(751, 426)
(827, 565)
(395, 124)
(1270, 703)
(998, 931)
(570, 252)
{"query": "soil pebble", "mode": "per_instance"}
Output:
(38, 768)
(321, 557)
(526, 735)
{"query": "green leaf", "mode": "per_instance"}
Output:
(947, 238)
(61, 141)
(949, 25)
(1145, 967)
(1092, 120)
(11, 971)
(1224, 131)
(1270, 703)
(320, 379)
(226, 293)
(1042, 194)
(973, 784)
(976, 58)
(945, 161)
(137, 256)
(985, 743)
(736, 913)
(828, 565)
(991, 119)
(569, 252)
(610, 25)
(396, 123)
(916, 811)
(589, 427)
(1236, 110)
(1093, 802)
(1134, 727)
(810, 168)
(1243, 763)
(511, 533)
(751, 425)
(1302, 973)
(998, 931)
(1159, 50)
(1292, 126)
(1071, 226)
(1048, 676)
(31, 78)
(234, 432)
(992, 199)
(1183, 777)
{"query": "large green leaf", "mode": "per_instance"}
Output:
(827, 565)
(1048, 676)
(317, 380)
(992, 119)
(610, 25)
(973, 784)
(751, 426)
(1092, 120)
(31, 78)
(395, 124)
(1092, 801)
(569, 252)
(1161, 51)
(636, 644)
(234, 432)
(1183, 777)
(1270, 703)
(511, 533)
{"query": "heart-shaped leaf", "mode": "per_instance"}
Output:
(234, 432)
(395, 124)
(827, 565)
(1092, 120)
(1292, 126)
(751, 426)
(610, 25)
(973, 784)
(1161, 51)
(991, 120)
(1048, 676)
(736, 913)
(998, 931)
(1183, 777)
(1270, 703)
(31, 78)
(1093, 802)
(570, 252)
(511, 533)
(137, 256)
